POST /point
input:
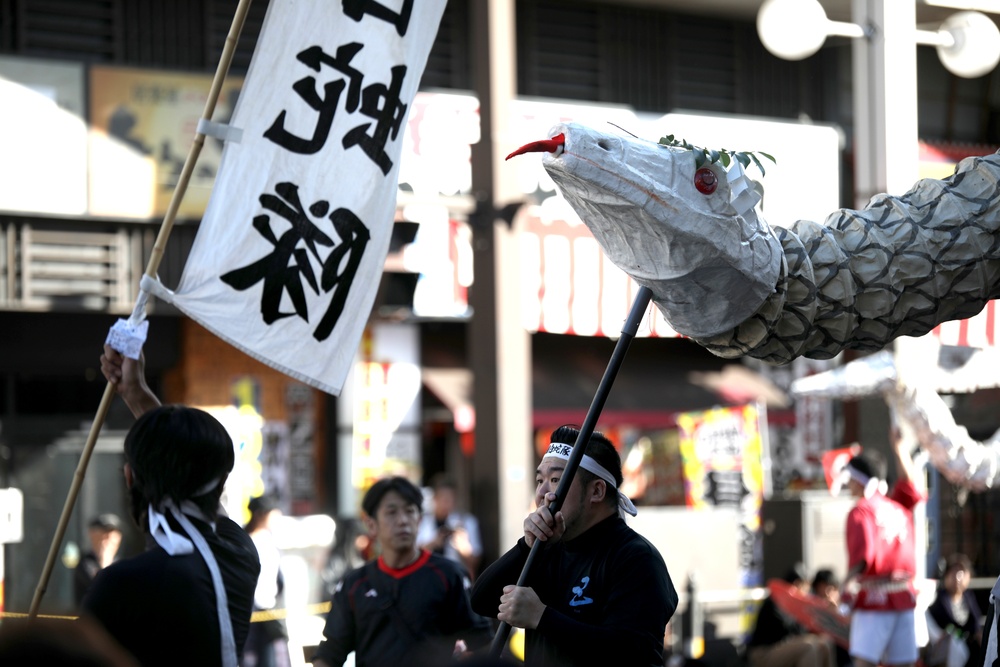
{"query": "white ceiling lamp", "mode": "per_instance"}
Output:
(796, 29)
(974, 48)
(968, 43)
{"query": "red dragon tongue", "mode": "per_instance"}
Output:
(545, 145)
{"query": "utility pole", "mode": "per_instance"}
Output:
(499, 348)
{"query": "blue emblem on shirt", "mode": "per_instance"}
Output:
(578, 598)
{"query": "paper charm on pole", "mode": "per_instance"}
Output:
(288, 258)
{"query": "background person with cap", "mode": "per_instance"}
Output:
(597, 592)
(187, 599)
(105, 534)
(881, 555)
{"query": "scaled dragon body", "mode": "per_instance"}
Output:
(723, 277)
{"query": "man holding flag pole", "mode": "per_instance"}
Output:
(188, 598)
(599, 592)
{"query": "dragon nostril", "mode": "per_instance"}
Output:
(604, 144)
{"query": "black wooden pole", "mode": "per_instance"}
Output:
(639, 306)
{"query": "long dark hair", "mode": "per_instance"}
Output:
(174, 451)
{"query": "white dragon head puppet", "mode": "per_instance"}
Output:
(623, 188)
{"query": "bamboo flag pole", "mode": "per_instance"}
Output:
(151, 268)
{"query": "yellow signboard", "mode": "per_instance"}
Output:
(722, 450)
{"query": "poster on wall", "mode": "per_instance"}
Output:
(142, 126)
(723, 452)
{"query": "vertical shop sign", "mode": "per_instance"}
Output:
(275, 463)
(301, 431)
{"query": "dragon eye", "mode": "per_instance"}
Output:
(706, 181)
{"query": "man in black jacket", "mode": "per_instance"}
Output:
(407, 608)
(597, 592)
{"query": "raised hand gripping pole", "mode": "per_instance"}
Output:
(639, 305)
(239, 18)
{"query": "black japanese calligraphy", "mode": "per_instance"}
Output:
(356, 9)
(290, 265)
(377, 101)
(326, 104)
(338, 274)
(381, 103)
(725, 488)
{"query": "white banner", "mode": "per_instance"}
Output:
(288, 258)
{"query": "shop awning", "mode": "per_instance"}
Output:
(453, 387)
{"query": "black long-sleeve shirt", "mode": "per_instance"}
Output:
(161, 608)
(399, 618)
(608, 598)
(772, 626)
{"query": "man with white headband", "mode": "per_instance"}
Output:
(597, 591)
(187, 599)
(881, 557)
